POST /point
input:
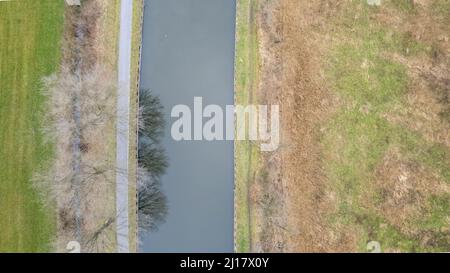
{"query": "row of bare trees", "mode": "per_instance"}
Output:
(152, 203)
(82, 173)
(81, 109)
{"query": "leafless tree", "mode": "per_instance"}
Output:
(151, 155)
(75, 131)
(152, 202)
(151, 117)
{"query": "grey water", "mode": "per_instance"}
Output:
(188, 51)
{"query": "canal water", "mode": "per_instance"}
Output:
(188, 51)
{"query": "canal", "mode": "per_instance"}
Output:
(188, 51)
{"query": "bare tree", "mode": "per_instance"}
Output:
(151, 118)
(151, 155)
(80, 108)
(102, 238)
(152, 202)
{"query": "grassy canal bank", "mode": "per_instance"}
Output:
(246, 154)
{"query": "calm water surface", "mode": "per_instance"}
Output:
(188, 51)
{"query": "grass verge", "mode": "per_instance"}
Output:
(246, 154)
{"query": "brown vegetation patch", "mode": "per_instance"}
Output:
(428, 101)
(294, 201)
(426, 108)
(403, 188)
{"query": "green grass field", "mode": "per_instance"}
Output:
(30, 33)
(356, 140)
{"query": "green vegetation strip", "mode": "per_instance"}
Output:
(30, 33)
(246, 154)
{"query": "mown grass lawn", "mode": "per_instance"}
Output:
(30, 33)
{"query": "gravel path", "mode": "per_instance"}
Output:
(123, 113)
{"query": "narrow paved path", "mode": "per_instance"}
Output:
(123, 126)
